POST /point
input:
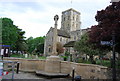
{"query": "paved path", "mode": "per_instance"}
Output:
(22, 76)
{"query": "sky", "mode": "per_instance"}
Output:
(35, 17)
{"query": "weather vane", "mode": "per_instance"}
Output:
(71, 3)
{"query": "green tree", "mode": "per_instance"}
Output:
(36, 44)
(9, 32)
(12, 35)
(84, 47)
(21, 42)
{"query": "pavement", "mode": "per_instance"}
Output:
(23, 76)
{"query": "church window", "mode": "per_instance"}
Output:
(77, 18)
(52, 39)
(74, 37)
(60, 39)
(76, 25)
(64, 18)
(73, 18)
(63, 25)
(68, 17)
(49, 48)
(68, 25)
(73, 24)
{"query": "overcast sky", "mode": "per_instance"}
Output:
(35, 17)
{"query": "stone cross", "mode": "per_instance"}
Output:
(54, 52)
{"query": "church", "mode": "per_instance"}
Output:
(69, 32)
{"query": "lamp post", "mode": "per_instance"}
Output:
(113, 58)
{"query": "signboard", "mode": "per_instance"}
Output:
(106, 43)
(114, 1)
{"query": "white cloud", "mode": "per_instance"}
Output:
(36, 17)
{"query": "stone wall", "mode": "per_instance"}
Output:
(30, 65)
(86, 71)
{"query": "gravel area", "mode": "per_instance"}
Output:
(23, 76)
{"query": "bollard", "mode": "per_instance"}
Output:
(78, 78)
(73, 72)
(17, 71)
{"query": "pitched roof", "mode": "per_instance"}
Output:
(63, 33)
(70, 44)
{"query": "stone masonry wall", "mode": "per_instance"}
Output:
(86, 71)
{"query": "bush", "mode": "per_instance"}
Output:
(104, 62)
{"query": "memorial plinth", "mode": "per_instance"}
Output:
(52, 64)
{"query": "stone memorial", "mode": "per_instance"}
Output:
(52, 64)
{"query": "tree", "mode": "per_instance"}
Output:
(36, 44)
(60, 48)
(12, 35)
(9, 32)
(84, 47)
(108, 22)
(21, 42)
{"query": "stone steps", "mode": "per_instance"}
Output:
(51, 75)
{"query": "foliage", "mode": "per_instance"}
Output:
(104, 63)
(80, 60)
(36, 44)
(9, 32)
(83, 46)
(67, 53)
(12, 35)
(108, 22)
(59, 48)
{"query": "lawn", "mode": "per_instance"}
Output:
(106, 63)
(29, 56)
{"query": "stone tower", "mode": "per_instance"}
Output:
(70, 20)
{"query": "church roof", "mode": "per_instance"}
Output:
(71, 9)
(70, 44)
(63, 33)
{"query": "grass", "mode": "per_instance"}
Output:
(29, 57)
(106, 63)
(17, 55)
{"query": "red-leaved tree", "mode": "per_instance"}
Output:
(108, 22)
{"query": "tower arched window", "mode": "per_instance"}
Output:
(64, 18)
(73, 17)
(68, 17)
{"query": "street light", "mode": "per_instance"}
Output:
(113, 58)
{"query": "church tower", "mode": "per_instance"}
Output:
(70, 20)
